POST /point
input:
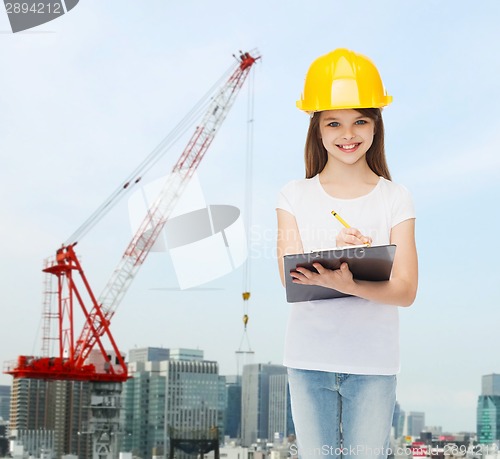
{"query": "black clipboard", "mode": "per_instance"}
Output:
(372, 263)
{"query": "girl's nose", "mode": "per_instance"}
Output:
(348, 134)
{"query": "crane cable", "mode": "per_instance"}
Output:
(248, 214)
(157, 153)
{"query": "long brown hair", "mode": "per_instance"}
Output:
(316, 155)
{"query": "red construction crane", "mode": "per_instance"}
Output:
(73, 289)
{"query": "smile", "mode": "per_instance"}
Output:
(349, 147)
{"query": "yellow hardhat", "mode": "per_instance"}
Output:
(342, 79)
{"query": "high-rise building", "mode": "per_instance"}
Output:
(186, 354)
(488, 419)
(280, 410)
(4, 402)
(71, 421)
(32, 404)
(148, 354)
(414, 423)
(143, 410)
(265, 403)
(4, 442)
(143, 402)
(58, 410)
(232, 419)
(491, 385)
(398, 420)
(181, 394)
(488, 410)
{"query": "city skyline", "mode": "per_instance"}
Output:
(166, 389)
(88, 96)
(148, 355)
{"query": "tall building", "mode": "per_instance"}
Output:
(232, 420)
(414, 423)
(398, 420)
(280, 410)
(58, 410)
(265, 411)
(186, 354)
(491, 384)
(4, 442)
(148, 354)
(71, 420)
(143, 410)
(32, 404)
(488, 410)
(488, 419)
(5, 402)
(178, 395)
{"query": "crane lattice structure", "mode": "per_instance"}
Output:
(85, 358)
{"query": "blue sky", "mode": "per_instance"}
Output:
(86, 97)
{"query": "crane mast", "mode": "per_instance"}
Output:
(73, 362)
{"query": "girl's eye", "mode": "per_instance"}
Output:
(334, 124)
(361, 122)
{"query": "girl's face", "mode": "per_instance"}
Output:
(346, 134)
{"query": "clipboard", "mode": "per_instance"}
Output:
(372, 263)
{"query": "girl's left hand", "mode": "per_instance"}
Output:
(338, 279)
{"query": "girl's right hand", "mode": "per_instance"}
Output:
(352, 236)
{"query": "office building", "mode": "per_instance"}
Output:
(4, 403)
(398, 420)
(490, 385)
(180, 395)
(414, 423)
(143, 411)
(488, 410)
(488, 419)
(265, 412)
(148, 354)
(143, 402)
(280, 410)
(232, 418)
(4, 442)
(185, 354)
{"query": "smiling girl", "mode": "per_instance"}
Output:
(343, 354)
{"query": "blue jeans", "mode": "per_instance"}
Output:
(339, 414)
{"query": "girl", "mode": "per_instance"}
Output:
(343, 354)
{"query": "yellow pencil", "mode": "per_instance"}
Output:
(340, 219)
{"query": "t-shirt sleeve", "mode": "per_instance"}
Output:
(286, 198)
(403, 207)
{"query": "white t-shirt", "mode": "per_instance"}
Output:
(345, 335)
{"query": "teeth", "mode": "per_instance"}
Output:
(348, 147)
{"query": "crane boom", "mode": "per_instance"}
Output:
(98, 316)
(156, 217)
